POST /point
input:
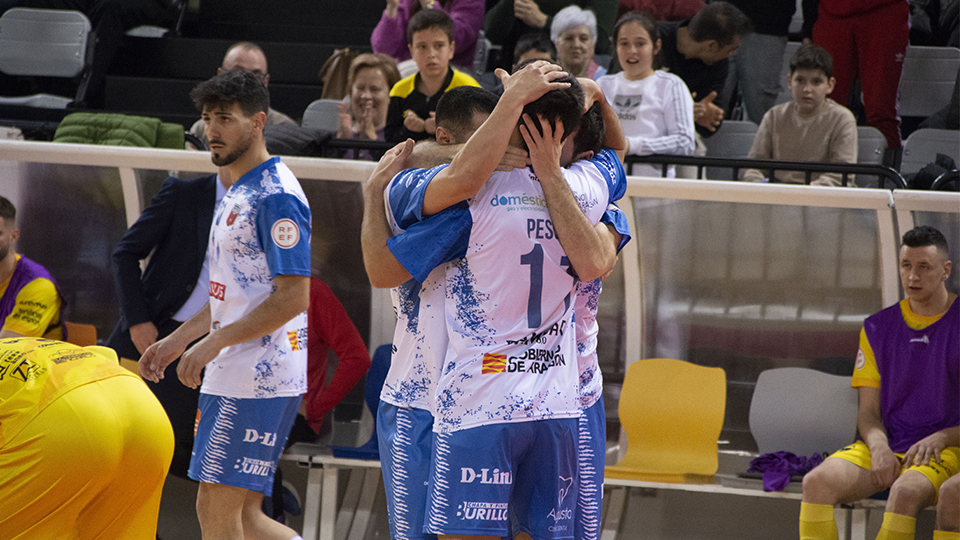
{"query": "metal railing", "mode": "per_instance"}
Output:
(883, 173)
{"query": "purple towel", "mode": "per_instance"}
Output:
(778, 467)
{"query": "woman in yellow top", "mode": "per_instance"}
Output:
(84, 444)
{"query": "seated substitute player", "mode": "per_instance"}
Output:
(908, 376)
(509, 373)
(30, 304)
(84, 445)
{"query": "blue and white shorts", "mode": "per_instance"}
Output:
(238, 441)
(591, 458)
(405, 437)
(504, 479)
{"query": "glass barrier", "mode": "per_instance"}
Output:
(744, 277)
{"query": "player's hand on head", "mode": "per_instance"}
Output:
(533, 81)
(544, 149)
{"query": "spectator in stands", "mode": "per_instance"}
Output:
(390, 35)
(532, 46)
(696, 50)
(754, 71)
(811, 127)
(109, 20)
(30, 304)
(413, 100)
(654, 107)
(574, 32)
(84, 448)
(662, 10)
(908, 375)
(507, 20)
(868, 38)
(948, 510)
(363, 117)
(247, 56)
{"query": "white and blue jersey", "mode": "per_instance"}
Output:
(512, 350)
(585, 319)
(261, 229)
(420, 338)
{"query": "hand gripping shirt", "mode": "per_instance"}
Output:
(261, 229)
(511, 355)
(915, 362)
(585, 319)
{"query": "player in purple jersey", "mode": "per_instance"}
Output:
(255, 322)
(908, 375)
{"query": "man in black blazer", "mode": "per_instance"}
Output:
(175, 228)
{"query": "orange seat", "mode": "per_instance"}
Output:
(80, 334)
(672, 412)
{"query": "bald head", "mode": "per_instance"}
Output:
(248, 57)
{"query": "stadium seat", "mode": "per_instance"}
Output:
(732, 140)
(929, 76)
(871, 145)
(923, 145)
(322, 114)
(802, 411)
(79, 334)
(46, 43)
(672, 412)
(379, 366)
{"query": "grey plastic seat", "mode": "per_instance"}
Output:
(929, 76)
(322, 114)
(871, 145)
(923, 145)
(47, 43)
(732, 140)
(802, 411)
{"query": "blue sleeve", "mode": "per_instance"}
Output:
(612, 170)
(283, 233)
(405, 194)
(614, 216)
(434, 241)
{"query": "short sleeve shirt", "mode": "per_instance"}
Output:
(261, 229)
(509, 318)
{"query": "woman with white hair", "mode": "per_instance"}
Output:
(574, 32)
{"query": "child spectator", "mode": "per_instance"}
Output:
(413, 100)
(390, 35)
(811, 127)
(371, 76)
(574, 32)
(535, 46)
(654, 107)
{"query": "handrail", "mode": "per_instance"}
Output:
(942, 181)
(807, 167)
